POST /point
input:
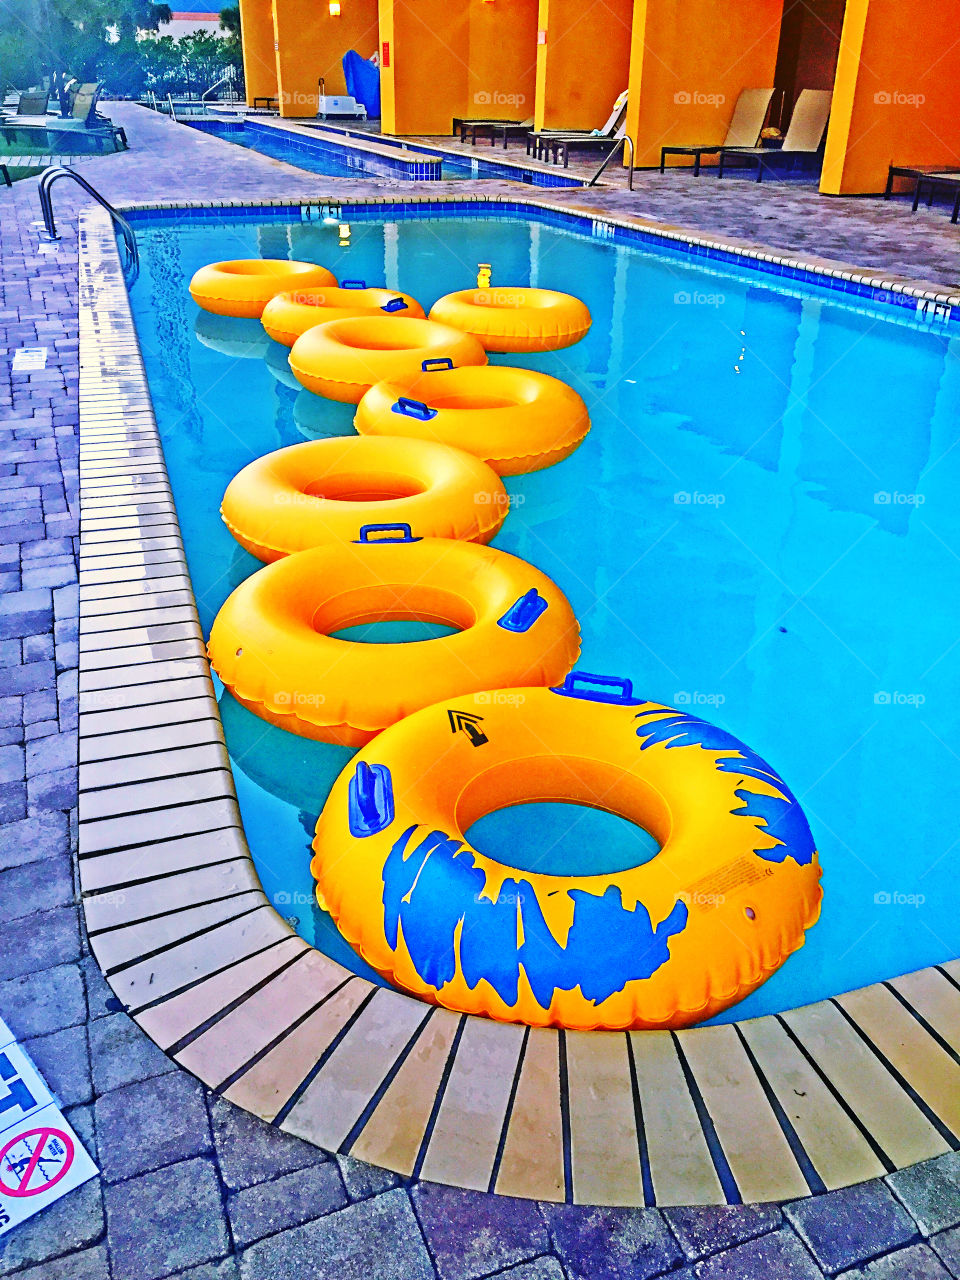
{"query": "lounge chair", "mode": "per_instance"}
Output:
(32, 103)
(460, 124)
(495, 130)
(808, 124)
(538, 141)
(83, 108)
(914, 173)
(743, 131)
(83, 112)
(927, 184)
(560, 145)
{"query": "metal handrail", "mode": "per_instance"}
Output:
(224, 79)
(173, 110)
(620, 143)
(49, 177)
(230, 78)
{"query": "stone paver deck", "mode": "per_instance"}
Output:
(191, 1186)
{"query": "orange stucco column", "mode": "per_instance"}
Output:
(311, 44)
(897, 93)
(583, 61)
(259, 55)
(502, 67)
(448, 58)
(689, 61)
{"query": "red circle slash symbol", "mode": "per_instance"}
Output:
(33, 1161)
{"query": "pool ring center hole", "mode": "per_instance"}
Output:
(562, 838)
(563, 815)
(373, 605)
(365, 487)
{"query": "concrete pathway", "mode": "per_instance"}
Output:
(190, 1186)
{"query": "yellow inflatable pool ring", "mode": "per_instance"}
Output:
(271, 643)
(515, 419)
(344, 358)
(244, 286)
(662, 944)
(289, 314)
(508, 319)
(326, 490)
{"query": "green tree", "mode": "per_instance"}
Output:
(186, 66)
(230, 21)
(63, 38)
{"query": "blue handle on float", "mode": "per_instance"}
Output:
(436, 364)
(404, 531)
(613, 689)
(395, 304)
(524, 612)
(370, 799)
(414, 409)
(353, 284)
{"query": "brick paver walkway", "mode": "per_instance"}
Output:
(190, 1186)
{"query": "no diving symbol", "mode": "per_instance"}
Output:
(34, 1161)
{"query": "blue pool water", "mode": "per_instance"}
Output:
(762, 527)
(340, 160)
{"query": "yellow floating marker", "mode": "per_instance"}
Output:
(510, 319)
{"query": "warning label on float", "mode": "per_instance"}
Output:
(41, 1157)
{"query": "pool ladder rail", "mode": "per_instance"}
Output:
(620, 144)
(49, 177)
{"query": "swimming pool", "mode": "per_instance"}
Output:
(758, 528)
(339, 159)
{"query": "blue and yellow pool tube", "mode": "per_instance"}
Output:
(664, 944)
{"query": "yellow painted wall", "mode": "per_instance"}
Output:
(502, 65)
(689, 61)
(311, 44)
(388, 97)
(259, 57)
(428, 65)
(584, 62)
(456, 58)
(897, 95)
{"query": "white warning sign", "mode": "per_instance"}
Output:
(41, 1157)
